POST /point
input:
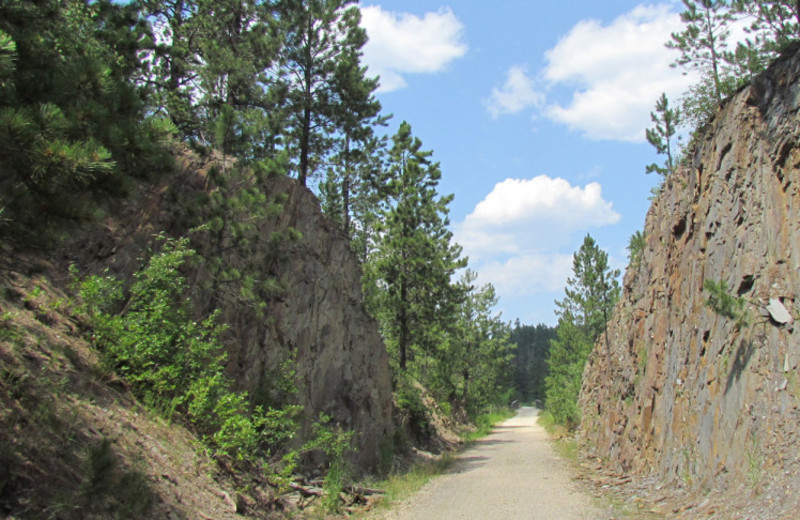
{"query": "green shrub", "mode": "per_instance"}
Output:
(173, 363)
(334, 442)
(410, 404)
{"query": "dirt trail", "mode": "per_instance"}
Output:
(511, 474)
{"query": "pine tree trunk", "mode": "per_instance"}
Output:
(346, 188)
(302, 174)
(403, 339)
(305, 131)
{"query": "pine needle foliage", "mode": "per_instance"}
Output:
(591, 294)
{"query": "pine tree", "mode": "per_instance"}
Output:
(704, 48)
(667, 120)
(704, 41)
(408, 277)
(354, 144)
(591, 294)
(530, 360)
(476, 361)
(72, 122)
(320, 36)
(175, 60)
(775, 23)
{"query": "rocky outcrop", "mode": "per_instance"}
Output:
(341, 363)
(314, 323)
(684, 396)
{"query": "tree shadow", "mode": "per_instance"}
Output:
(744, 353)
(466, 464)
(491, 442)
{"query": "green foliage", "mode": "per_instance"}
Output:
(486, 422)
(325, 85)
(72, 123)
(475, 362)
(704, 41)
(410, 406)
(704, 47)
(724, 304)
(530, 360)
(666, 120)
(414, 258)
(636, 245)
(775, 24)
(584, 312)
(172, 362)
(335, 443)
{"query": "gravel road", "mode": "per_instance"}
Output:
(511, 474)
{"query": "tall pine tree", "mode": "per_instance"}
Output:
(409, 274)
(591, 294)
(320, 37)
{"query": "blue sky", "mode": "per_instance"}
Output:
(536, 112)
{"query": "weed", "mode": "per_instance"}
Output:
(548, 422)
(755, 462)
(33, 294)
(57, 304)
(399, 486)
(726, 361)
(8, 327)
(334, 442)
(686, 473)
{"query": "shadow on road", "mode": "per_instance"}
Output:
(487, 441)
(465, 464)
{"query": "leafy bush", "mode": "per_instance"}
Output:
(172, 362)
(410, 404)
(334, 442)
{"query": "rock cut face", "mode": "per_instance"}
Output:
(687, 396)
(317, 324)
(342, 367)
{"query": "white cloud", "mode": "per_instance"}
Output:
(528, 274)
(515, 236)
(618, 71)
(543, 199)
(403, 43)
(517, 94)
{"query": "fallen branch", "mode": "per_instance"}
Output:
(306, 491)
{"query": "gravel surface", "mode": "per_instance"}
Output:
(511, 474)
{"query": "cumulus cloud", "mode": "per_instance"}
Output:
(517, 94)
(528, 274)
(403, 43)
(514, 235)
(617, 72)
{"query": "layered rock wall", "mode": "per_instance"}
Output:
(687, 396)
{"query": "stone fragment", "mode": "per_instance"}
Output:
(778, 312)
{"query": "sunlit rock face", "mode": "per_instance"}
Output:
(683, 395)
